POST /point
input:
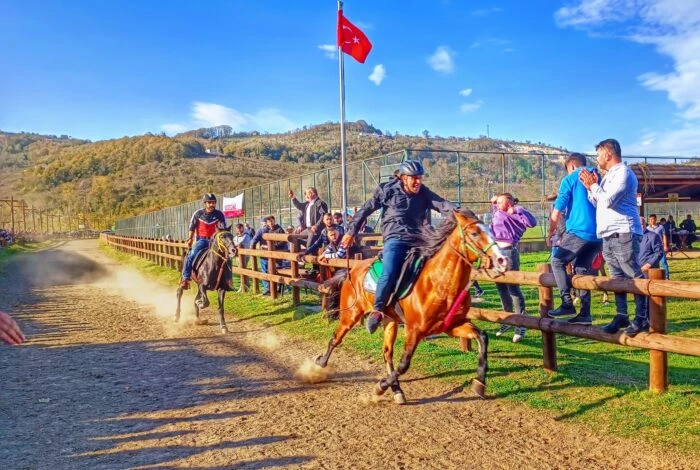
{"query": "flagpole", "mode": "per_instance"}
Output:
(343, 171)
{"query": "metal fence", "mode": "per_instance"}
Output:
(465, 178)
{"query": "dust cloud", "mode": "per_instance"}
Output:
(309, 372)
(270, 341)
(162, 302)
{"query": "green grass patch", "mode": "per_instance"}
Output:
(598, 385)
(8, 252)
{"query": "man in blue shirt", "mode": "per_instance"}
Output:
(579, 244)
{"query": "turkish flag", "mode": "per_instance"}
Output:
(352, 40)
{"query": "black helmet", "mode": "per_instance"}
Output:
(411, 168)
(209, 197)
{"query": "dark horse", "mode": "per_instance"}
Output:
(460, 244)
(213, 273)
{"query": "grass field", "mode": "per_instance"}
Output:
(12, 250)
(600, 386)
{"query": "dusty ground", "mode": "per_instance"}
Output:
(106, 381)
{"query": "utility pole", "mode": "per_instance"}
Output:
(12, 213)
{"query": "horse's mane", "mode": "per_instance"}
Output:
(429, 240)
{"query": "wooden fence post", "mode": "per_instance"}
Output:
(294, 248)
(658, 360)
(256, 281)
(244, 278)
(549, 340)
(272, 269)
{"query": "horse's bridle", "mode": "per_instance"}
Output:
(466, 245)
(220, 245)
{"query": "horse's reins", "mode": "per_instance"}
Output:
(477, 264)
(222, 247)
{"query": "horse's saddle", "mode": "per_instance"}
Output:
(410, 270)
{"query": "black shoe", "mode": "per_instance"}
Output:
(562, 311)
(617, 323)
(580, 319)
(637, 326)
(373, 321)
(478, 292)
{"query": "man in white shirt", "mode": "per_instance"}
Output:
(617, 221)
(311, 213)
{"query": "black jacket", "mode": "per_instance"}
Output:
(318, 208)
(403, 214)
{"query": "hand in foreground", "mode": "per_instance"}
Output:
(588, 178)
(291, 194)
(9, 330)
(347, 241)
(301, 257)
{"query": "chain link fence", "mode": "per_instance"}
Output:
(465, 178)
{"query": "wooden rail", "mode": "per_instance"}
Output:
(170, 254)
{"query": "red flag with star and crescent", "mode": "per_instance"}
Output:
(352, 40)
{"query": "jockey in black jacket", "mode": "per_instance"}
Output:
(405, 201)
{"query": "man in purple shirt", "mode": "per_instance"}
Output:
(508, 226)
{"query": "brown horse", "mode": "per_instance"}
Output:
(459, 245)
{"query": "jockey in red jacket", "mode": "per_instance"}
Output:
(204, 224)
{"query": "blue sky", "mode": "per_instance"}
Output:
(565, 72)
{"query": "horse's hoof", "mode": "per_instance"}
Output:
(320, 362)
(479, 388)
(224, 330)
(200, 321)
(378, 389)
(399, 398)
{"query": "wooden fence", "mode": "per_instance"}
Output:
(170, 254)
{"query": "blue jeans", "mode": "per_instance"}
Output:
(581, 252)
(264, 263)
(394, 254)
(621, 255)
(664, 264)
(198, 246)
(512, 297)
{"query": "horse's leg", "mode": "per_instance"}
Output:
(179, 298)
(469, 331)
(222, 322)
(349, 317)
(198, 302)
(392, 380)
(390, 331)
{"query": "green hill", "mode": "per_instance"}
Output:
(132, 175)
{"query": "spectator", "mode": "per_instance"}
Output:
(578, 244)
(617, 221)
(335, 250)
(508, 226)
(242, 240)
(338, 218)
(310, 213)
(9, 330)
(670, 227)
(323, 240)
(689, 225)
(650, 248)
(663, 236)
(249, 229)
(269, 227)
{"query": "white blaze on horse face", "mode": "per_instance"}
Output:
(498, 259)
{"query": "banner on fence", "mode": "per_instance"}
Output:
(233, 206)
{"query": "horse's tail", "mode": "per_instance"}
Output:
(336, 280)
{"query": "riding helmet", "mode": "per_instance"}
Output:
(209, 197)
(411, 168)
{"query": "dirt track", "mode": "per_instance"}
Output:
(109, 382)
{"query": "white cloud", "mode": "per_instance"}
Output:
(212, 115)
(442, 60)
(173, 128)
(329, 50)
(378, 74)
(466, 92)
(673, 28)
(470, 107)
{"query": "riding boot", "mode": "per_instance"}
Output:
(373, 321)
